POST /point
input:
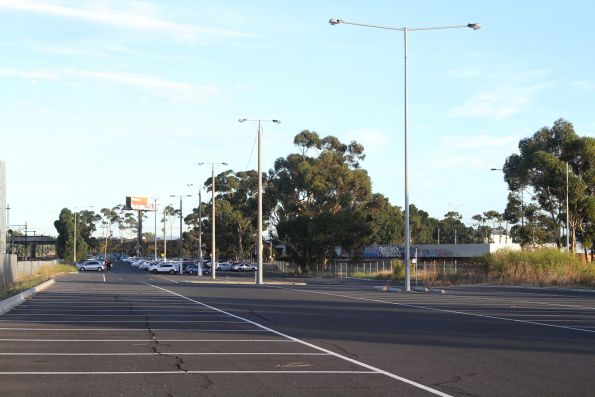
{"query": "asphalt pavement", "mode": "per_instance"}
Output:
(136, 334)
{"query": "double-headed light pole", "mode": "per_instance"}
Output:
(213, 251)
(405, 30)
(259, 279)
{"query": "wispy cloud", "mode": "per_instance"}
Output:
(32, 75)
(173, 90)
(585, 86)
(495, 104)
(502, 94)
(126, 20)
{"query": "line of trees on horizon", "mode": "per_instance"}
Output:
(319, 198)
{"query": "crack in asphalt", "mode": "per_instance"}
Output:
(263, 318)
(451, 384)
(179, 362)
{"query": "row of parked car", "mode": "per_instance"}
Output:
(188, 266)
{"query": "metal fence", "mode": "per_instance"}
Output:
(423, 270)
(12, 270)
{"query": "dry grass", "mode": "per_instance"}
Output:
(43, 274)
(541, 267)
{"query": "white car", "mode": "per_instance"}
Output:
(91, 265)
(224, 266)
(165, 267)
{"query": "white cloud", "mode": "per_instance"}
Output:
(501, 94)
(129, 20)
(177, 91)
(585, 86)
(29, 74)
(183, 92)
(494, 104)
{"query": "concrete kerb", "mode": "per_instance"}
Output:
(12, 302)
(243, 282)
(386, 288)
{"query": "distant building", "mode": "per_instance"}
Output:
(440, 251)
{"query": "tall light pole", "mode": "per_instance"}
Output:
(180, 241)
(213, 250)
(567, 216)
(259, 279)
(405, 30)
(155, 238)
(74, 246)
(199, 267)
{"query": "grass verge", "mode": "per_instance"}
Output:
(43, 274)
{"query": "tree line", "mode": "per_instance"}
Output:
(320, 197)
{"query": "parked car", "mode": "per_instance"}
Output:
(91, 265)
(224, 266)
(244, 267)
(165, 267)
(193, 269)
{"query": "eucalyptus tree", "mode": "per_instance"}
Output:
(319, 198)
(554, 162)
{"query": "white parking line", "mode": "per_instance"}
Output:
(121, 321)
(151, 340)
(348, 359)
(166, 353)
(186, 314)
(168, 279)
(190, 372)
(104, 278)
(443, 310)
(130, 329)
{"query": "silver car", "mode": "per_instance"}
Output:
(91, 265)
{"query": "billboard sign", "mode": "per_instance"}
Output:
(140, 203)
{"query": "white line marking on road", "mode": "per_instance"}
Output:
(443, 310)
(165, 353)
(104, 278)
(169, 279)
(348, 359)
(191, 372)
(151, 340)
(131, 329)
(187, 314)
(508, 300)
(120, 321)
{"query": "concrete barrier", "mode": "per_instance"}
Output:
(12, 302)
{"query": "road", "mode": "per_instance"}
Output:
(137, 334)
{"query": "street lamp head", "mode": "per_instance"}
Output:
(277, 121)
(242, 120)
(201, 163)
(172, 195)
(496, 169)
(224, 163)
(334, 21)
(474, 26)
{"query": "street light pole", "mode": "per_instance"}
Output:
(259, 279)
(567, 217)
(199, 267)
(180, 240)
(199, 270)
(213, 248)
(213, 251)
(155, 234)
(405, 30)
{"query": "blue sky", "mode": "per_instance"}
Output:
(104, 99)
